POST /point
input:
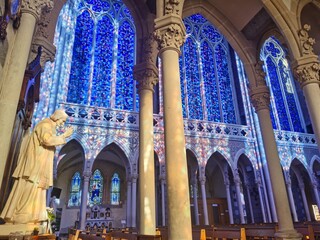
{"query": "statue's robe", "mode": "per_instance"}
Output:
(33, 175)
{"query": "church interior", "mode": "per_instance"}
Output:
(185, 113)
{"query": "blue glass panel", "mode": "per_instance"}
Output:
(125, 83)
(290, 97)
(75, 193)
(276, 89)
(193, 80)
(100, 95)
(210, 84)
(182, 78)
(115, 189)
(226, 100)
(209, 32)
(197, 18)
(96, 188)
(81, 57)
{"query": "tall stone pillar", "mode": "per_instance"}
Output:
(307, 70)
(229, 201)
(260, 98)
(305, 202)
(315, 185)
(247, 184)
(195, 199)
(202, 180)
(13, 72)
(170, 33)
(259, 186)
(84, 199)
(291, 200)
(134, 178)
(163, 200)
(146, 75)
(129, 204)
(237, 182)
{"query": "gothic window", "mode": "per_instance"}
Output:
(96, 188)
(207, 89)
(75, 192)
(286, 112)
(115, 189)
(103, 56)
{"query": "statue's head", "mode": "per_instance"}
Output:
(59, 116)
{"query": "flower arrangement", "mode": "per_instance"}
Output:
(50, 214)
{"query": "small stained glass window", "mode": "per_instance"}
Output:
(115, 189)
(75, 191)
(96, 188)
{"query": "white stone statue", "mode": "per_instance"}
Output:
(34, 172)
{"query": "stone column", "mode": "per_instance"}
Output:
(229, 201)
(84, 199)
(260, 98)
(147, 75)
(163, 200)
(129, 204)
(305, 202)
(306, 69)
(291, 200)
(314, 183)
(249, 201)
(259, 186)
(194, 183)
(134, 200)
(13, 72)
(202, 180)
(170, 33)
(237, 182)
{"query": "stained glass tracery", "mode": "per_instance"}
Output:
(206, 79)
(75, 191)
(96, 188)
(285, 114)
(103, 56)
(115, 189)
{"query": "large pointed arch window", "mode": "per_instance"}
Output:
(75, 191)
(207, 88)
(286, 112)
(115, 189)
(96, 188)
(103, 56)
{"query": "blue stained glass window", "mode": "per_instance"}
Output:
(285, 107)
(103, 56)
(96, 188)
(80, 70)
(75, 191)
(205, 69)
(115, 189)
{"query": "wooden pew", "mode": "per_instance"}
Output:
(263, 231)
(228, 232)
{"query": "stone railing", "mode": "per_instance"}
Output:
(295, 137)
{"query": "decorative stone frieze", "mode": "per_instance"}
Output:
(35, 7)
(170, 32)
(307, 73)
(306, 42)
(146, 75)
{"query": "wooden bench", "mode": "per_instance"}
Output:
(228, 232)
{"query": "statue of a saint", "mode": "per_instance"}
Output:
(34, 172)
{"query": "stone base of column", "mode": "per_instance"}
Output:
(149, 237)
(288, 235)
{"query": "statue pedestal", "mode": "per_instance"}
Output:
(21, 229)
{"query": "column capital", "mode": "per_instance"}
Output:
(202, 180)
(170, 32)
(146, 75)
(134, 177)
(306, 42)
(307, 70)
(86, 175)
(35, 7)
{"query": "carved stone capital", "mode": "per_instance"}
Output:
(146, 75)
(134, 177)
(170, 32)
(202, 180)
(307, 70)
(260, 98)
(35, 7)
(86, 175)
(48, 51)
(306, 42)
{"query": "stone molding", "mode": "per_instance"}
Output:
(146, 75)
(260, 98)
(260, 74)
(35, 7)
(170, 32)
